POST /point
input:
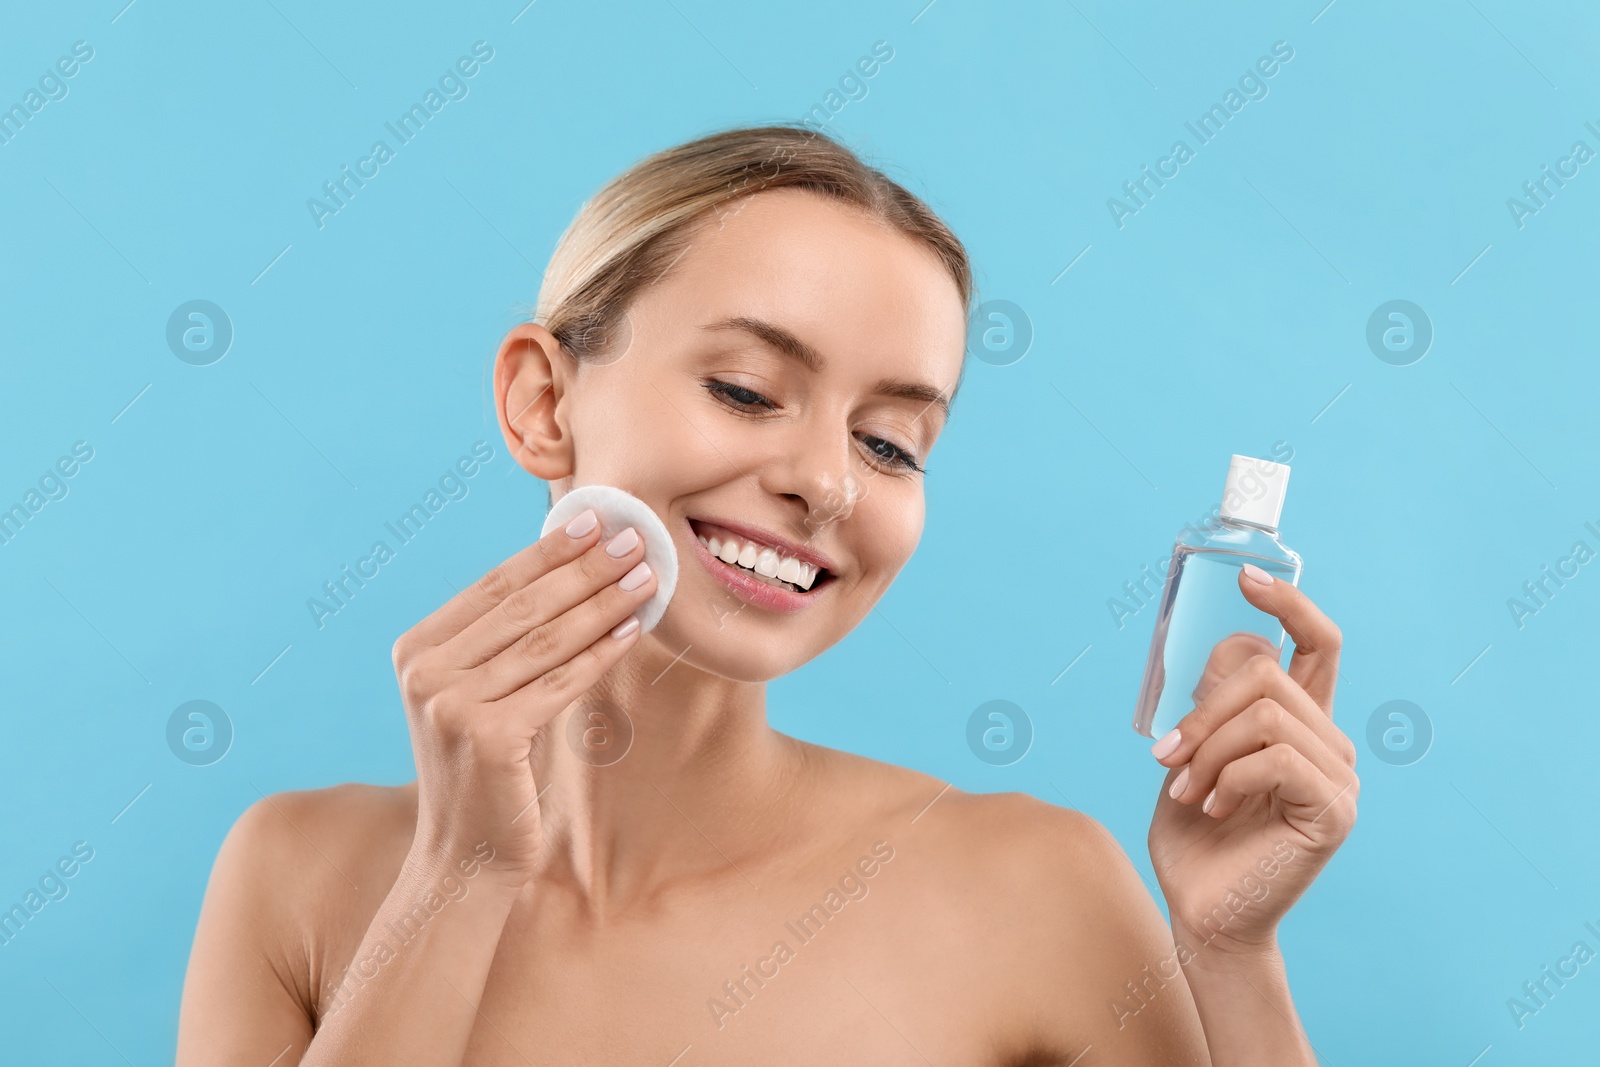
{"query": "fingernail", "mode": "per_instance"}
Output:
(1178, 783)
(623, 543)
(1257, 575)
(1211, 798)
(625, 627)
(1166, 745)
(582, 524)
(635, 578)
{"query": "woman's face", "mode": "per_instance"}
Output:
(776, 387)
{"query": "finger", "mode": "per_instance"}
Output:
(1262, 725)
(1227, 656)
(548, 694)
(1283, 771)
(546, 598)
(554, 549)
(1315, 664)
(551, 647)
(1259, 678)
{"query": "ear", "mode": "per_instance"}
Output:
(531, 373)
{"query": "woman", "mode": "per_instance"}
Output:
(759, 337)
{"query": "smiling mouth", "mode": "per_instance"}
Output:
(762, 562)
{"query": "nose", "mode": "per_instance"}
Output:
(815, 469)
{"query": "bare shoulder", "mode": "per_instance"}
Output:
(300, 869)
(292, 890)
(311, 839)
(1055, 864)
(1059, 899)
(953, 827)
(1016, 885)
(1054, 851)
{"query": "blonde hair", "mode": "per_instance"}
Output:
(631, 232)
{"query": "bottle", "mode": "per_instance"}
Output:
(1206, 628)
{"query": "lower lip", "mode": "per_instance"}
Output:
(746, 586)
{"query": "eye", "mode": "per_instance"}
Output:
(890, 453)
(738, 397)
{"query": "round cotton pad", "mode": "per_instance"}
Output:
(617, 510)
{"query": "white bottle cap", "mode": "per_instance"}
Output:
(1255, 490)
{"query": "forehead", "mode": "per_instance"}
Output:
(872, 300)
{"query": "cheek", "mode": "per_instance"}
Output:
(626, 433)
(891, 519)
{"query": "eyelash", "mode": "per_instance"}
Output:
(741, 399)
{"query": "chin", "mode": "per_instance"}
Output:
(735, 650)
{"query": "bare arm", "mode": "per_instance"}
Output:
(479, 677)
(1073, 943)
(411, 992)
(1110, 981)
(1173, 997)
(1261, 792)
(1119, 991)
(1246, 1009)
(244, 996)
(247, 998)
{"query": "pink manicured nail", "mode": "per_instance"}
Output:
(635, 578)
(1211, 798)
(1257, 575)
(582, 524)
(1178, 783)
(625, 627)
(623, 543)
(1166, 745)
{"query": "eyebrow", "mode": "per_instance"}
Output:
(787, 344)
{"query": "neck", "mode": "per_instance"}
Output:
(659, 774)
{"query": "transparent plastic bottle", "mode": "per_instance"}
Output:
(1206, 628)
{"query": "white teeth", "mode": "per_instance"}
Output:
(765, 561)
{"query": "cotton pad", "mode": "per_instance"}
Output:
(618, 510)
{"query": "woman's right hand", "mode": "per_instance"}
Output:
(480, 676)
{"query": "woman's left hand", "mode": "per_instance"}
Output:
(1267, 783)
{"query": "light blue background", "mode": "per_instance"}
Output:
(1224, 317)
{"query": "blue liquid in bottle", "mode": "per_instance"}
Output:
(1206, 629)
